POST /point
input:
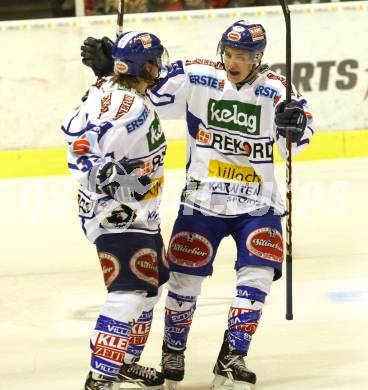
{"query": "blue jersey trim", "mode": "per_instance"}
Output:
(66, 130)
(73, 166)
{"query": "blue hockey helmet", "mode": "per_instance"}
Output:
(243, 36)
(133, 49)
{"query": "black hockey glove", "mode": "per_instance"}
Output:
(119, 181)
(290, 117)
(96, 53)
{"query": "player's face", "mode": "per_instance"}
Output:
(238, 64)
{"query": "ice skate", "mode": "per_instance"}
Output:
(172, 367)
(142, 377)
(100, 382)
(230, 367)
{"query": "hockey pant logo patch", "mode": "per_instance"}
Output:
(110, 267)
(190, 250)
(144, 265)
(266, 243)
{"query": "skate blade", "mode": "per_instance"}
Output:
(241, 386)
(128, 386)
(219, 384)
(171, 385)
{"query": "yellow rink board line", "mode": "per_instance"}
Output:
(47, 162)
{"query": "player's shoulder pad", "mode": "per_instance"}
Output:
(278, 81)
(116, 103)
(128, 110)
(273, 78)
(171, 70)
(101, 84)
(203, 64)
(96, 91)
(205, 72)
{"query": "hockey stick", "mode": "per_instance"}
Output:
(289, 246)
(120, 19)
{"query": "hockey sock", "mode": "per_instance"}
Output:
(138, 337)
(108, 343)
(179, 313)
(244, 315)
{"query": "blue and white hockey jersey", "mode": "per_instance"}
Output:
(115, 123)
(230, 135)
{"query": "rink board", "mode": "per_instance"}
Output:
(47, 81)
(48, 162)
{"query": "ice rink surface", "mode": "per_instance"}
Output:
(51, 288)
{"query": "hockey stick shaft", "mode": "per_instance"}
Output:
(289, 246)
(120, 20)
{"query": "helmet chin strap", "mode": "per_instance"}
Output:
(251, 74)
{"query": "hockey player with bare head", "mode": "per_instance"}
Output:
(235, 111)
(116, 153)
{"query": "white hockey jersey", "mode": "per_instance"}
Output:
(111, 124)
(230, 135)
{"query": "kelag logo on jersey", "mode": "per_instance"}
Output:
(264, 90)
(234, 115)
(206, 80)
(155, 136)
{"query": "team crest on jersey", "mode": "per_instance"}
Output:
(234, 115)
(266, 243)
(110, 267)
(120, 217)
(144, 265)
(155, 135)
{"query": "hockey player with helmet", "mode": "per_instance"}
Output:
(116, 153)
(236, 111)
